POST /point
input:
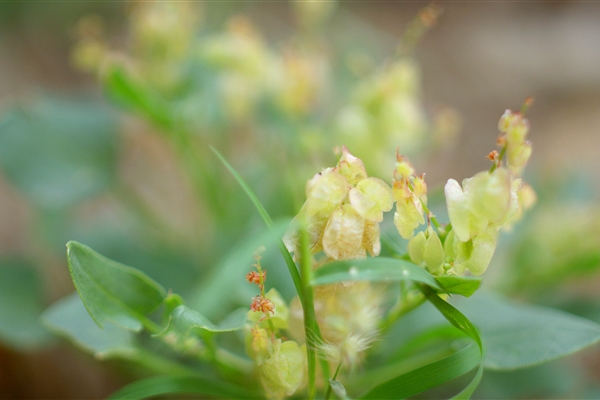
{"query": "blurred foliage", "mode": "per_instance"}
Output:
(185, 76)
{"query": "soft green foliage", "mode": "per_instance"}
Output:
(111, 291)
(246, 124)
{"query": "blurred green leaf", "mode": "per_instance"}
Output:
(112, 291)
(519, 335)
(68, 317)
(463, 285)
(21, 304)
(170, 385)
(59, 151)
(372, 269)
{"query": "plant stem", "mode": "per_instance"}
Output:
(328, 393)
(401, 308)
(308, 309)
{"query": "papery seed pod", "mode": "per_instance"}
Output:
(283, 370)
(371, 198)
(343, 235)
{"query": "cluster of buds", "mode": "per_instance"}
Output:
(488, 201)
(280, 363)
(260, 303)
(410, 194)
(342, 211)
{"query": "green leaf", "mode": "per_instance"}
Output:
(463, 285)
(457, 319)
(518, 335)
(339, 389)
(21, 304)
(170, 385)
(68, 317)
(58, 150)
(428, 376)
(112, 291)
(185, 320)
(372, 269)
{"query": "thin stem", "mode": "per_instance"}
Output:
(308, 309)
(400, 309)
(328, 393)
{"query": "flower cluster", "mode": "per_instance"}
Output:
(342, 211)
(280, 363)
(489, 200)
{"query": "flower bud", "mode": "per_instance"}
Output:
(279, 317)
(426, 249)
(351, 167)
(408, 216)
(283, 370)
(371, 198)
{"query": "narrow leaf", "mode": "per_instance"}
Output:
(267, 219)
(169, 385)
(112, 291)
(372, 269)
(462, 285)
(428, 376)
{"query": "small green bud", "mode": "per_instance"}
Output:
(408, 216)
(351, 167)
(283, 371)
(426, 249)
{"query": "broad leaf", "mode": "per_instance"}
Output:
(519, 335)
(170, 385)
(21, 304)
(463, 285)
(372, 269)
(68, 317)
(112, 291)
(57, 150)
(185, 320)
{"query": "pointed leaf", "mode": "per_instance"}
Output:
(520, 335)
(372, 269)
(338, 389)
(455, 284)
(112, 291)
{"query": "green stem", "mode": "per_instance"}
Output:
(328, 393)
(308, 307)
(400, 309)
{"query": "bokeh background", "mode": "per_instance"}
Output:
(72, 166)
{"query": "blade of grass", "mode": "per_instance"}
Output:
(169, 385)
(267, 219)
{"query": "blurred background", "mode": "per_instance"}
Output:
(107, 110)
